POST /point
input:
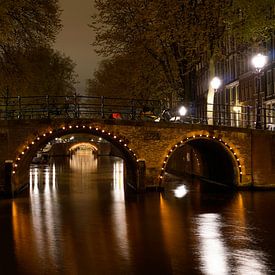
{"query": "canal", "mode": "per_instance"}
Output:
(75, 218)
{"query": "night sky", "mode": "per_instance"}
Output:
(76, 37)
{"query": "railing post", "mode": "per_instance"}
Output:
(133, 109)
(76, 115)
(48, 106)
(102, 106)
(219, 114)
(264, 109)
(225, 114)
(19, 107)
(203, 109)
(248, 116)
(6, 106)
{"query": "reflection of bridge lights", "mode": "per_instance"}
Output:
(54, 176)
(118, 180)
(47, 182)
(180, 191)
(119, 213)
(213, 253)
(217, 258)
(43, 197)
(83, 161)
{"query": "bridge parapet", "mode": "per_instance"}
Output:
(87, 107)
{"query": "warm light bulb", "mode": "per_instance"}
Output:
(259, 61)
(215, 83)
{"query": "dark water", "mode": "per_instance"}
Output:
(76, 219)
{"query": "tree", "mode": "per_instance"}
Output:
(124, 26)
(178, 34)
(38, 71)
(24, 25)
(128, 76)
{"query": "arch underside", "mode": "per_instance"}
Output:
(24, 159)
(208, 159)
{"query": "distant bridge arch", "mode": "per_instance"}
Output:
(89, 145)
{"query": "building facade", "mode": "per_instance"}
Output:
(236, 101)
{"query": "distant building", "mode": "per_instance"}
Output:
(238, 95)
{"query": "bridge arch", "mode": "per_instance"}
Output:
(27, 151)
(228, 167)
(87, 144)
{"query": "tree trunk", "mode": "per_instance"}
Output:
(211, 92)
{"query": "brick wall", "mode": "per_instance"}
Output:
(151, 142)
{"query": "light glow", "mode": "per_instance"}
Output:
(180, 191)
(215, 83)
(182, 111)
(259, 61)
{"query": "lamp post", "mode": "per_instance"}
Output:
(258, 62)
(215, 84)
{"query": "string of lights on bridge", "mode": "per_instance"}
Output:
(101, 132)
(182, 142)
(122, 141)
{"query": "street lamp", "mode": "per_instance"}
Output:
(258, 62)
(215, 83)
(182, 111)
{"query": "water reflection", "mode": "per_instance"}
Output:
(213, 252)
(45, 213)
(180, 191)
(119, 211)
(78, 221)
(227, 244)
(83, 161)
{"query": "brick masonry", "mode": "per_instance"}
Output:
(152, 142)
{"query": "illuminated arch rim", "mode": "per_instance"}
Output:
(95, 130)
(209, 137)
(83, 143)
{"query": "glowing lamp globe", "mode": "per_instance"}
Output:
(259, 61)
(215, 83)
(182, 111)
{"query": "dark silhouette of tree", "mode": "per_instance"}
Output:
(28, 65)
(180, 34)
(38, 71)
(128, 77)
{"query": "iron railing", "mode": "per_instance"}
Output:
(51, 107)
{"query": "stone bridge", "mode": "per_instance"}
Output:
(233, 156)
